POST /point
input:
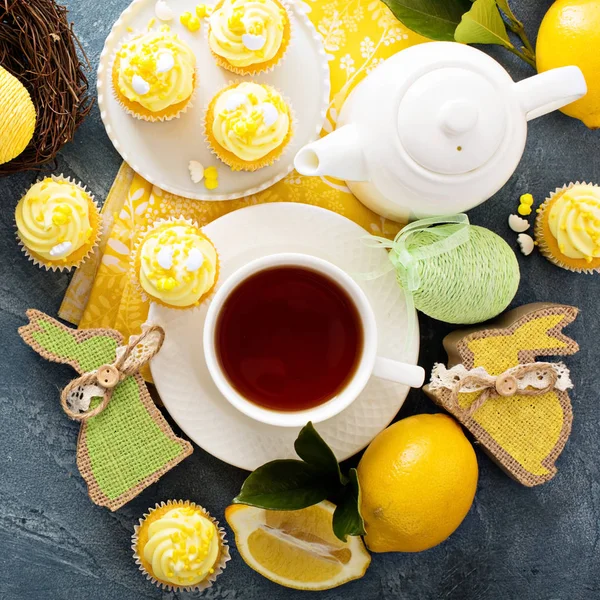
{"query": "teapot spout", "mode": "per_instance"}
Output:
(337, 155)
(550, 90)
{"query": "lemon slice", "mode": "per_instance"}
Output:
(297, 549)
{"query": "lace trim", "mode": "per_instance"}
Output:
(441, 377)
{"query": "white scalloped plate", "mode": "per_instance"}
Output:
(182, 378)
(160, 152)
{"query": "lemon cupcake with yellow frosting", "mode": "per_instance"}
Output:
(249, 36)
(178, 545)
(248, 125)
(175, 264)
(567, 227)
(58, 223)
(154, 76)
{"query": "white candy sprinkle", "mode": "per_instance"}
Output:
(165, 257)
(270, 114)
(235, 100)
(163, 11)
(61, 249)
(253, 42)
(165, 62)
(196, 171)
(140, 86)
(526, 243)
(194, 260)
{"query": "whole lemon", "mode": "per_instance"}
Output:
(417, 480)
(570, 35)
(17, 117)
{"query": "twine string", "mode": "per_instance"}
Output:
(489, 385)
(134, 356)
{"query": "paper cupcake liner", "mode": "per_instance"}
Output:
(82, 254)
(264, 67)
(135, 263)
(229, 158)
(218, 567)
(136, 110)
(547, 244)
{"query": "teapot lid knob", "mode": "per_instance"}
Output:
(458, 116)
(452, 120)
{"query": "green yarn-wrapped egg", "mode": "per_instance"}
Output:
(471, 283)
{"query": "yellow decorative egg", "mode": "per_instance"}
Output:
(17, 117)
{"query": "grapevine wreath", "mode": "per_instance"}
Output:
(38, 46)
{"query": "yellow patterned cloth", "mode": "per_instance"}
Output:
(358, 35)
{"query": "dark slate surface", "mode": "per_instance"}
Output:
(534, 544)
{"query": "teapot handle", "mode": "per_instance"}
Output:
(549, 91)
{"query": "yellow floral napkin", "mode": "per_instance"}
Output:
(358, 35)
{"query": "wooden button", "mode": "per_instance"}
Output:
(107, 376)
(506, 385)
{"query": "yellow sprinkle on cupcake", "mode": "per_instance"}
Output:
(58, 223)
(247, 37)
(567, 227)
(248, 125)
(178, 544)
(154, 76)
(176, 264)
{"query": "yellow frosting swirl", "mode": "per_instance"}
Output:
(53, 219)
(247, 32)
(178, 265)
(574, 221)
(250, 120)
(156, 70)
(182, 546)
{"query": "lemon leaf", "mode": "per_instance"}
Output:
(435, 19)
(483, 24)
(347, 519)
(313, 449)
(286, 485)
(505, 8)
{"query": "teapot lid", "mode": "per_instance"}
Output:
(451, 120)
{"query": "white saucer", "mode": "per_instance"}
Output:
(160, 152)
(179, 370)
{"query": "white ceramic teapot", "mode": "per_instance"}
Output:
(435, 130)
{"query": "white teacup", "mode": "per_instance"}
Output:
(369, 363)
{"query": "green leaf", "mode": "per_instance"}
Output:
(483, 25)
(435, 19)
(286, 485)
(313, 449)
(505, 8)
(347, 519)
